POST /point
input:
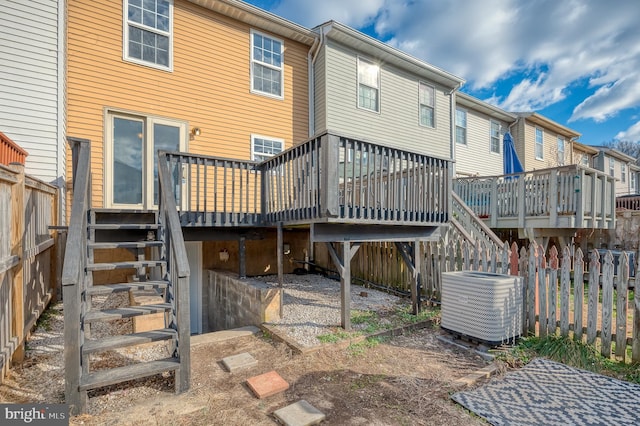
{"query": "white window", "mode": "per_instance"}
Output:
(427, 105)
(560, 151)
(263, 147)
(131, 146)
(267, 69)
(495, 137)
(148, 32)
(585, 160)
(461, 126)
(539, 144)
(612, 167)
(632, 182)
(623, 172)
(368, 85)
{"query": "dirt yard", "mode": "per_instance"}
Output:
(405, 380)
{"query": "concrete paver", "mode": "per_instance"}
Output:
(239, 362)
(267, 384)
(299, 414)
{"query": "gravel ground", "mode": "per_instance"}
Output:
(312, 305)
(311, 308)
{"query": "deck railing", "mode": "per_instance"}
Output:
(583, 193)
(10, 152)
(628, 202)
(325, 179)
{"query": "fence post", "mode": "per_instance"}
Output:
(17, 249)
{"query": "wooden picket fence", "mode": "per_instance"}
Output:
(28, 255)
(562, 295)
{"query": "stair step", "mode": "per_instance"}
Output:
(117, 226)
(112, 376)
(124, 244)
(115, 342)
(119, 288)
(124, 265)
(128, 312)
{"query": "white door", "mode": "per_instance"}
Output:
(131, 168)
(194, 254)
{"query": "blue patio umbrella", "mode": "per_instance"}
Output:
(511, 162)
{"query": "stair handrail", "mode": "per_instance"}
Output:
(479, 227)
(73, 270)
(177, 268)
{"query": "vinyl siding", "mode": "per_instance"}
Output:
(32, 65)
(320, 90)
(476, 157)
(209, 87)
(397, 123)
(526, 142)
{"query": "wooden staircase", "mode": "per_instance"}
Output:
(128, 251)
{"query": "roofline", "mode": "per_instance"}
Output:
(615, 153)
(486, 107)
(455, 81)
(541, 119)
(237, 9)
(587, 148)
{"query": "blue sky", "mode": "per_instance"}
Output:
(574, 61)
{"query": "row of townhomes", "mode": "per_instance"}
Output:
(201, 141)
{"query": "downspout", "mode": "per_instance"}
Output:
(311, 61)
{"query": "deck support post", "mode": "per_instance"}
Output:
(280, 249)
(242, 259)
(411, 253)
(344, 268)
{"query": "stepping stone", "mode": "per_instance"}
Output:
(239, 362)
(267, 384)
(299, 414)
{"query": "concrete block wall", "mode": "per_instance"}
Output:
(229, 302)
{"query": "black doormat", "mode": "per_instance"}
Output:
(549, 393)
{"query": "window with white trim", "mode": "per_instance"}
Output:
(585, 160)
(148, 32)
(461, 126)
(560, 151)
(612, 167)
(623, 172)
(368, 85)
(427, 105)
(267, 65)
(495, 137)
(539, 150)
(263, 147)
(632, 182)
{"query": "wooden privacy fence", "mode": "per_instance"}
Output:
(28, 207)
(589, 299)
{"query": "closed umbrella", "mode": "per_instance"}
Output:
(512, 163)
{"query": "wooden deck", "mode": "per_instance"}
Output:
(325, 180)
(568, 197)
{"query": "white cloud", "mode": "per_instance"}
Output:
(631, 134)
(356, 13)
(556, 45)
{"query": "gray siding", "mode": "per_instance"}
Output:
(32, 86)
(476, 157)
(397, 123)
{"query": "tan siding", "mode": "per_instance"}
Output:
(320, 95)
(476, 157)
(209, 86)
(397, 123)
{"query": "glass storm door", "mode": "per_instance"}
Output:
(132, 169)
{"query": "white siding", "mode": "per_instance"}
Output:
(397, 123)
(32, 85)
(476, 157)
